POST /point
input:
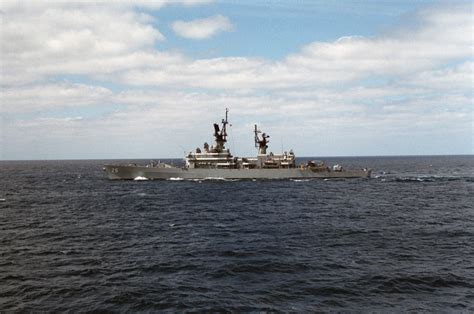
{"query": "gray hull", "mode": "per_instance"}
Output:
(117, 172)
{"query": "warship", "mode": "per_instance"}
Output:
(217, 162)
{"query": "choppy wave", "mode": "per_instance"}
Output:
(423, 178)
(219, 179)
(416, 283)
(72, 241)
(203, 179)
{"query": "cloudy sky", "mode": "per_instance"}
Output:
(142, 79)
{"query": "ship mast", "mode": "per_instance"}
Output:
(261, 144)
(221, 134)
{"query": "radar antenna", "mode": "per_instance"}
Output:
(261, 144)
(221, 134)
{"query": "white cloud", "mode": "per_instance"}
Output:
(401, 83)
(54, 38)
(15, 5)
(160, 3)
(160, 123)
(202, 28)
(87, 42)
(460, 76)
(50, 96)
(438, 38)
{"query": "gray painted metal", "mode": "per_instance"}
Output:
(130, 172)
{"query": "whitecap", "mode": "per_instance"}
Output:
(175, 179)
(215, 178)
(220, 179)
(139, 178)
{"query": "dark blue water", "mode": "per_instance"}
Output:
(401, 241)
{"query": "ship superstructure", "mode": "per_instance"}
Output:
(217, 156)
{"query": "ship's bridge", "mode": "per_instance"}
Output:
(218, 156)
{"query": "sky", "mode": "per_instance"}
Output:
(142, 79)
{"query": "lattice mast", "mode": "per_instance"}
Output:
(221, 134)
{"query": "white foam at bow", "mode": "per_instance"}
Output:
(139, 178)
(175, 179)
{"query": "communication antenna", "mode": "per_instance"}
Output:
(224, 124)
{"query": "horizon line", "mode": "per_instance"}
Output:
(157, 158)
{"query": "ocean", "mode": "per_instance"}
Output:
(403, 240)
